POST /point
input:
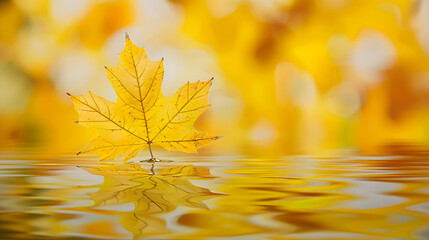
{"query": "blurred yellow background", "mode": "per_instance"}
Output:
(291, 76)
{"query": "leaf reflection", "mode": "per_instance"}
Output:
(150, 194)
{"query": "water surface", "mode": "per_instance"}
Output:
(229, 197)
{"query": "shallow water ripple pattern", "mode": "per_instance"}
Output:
(235, 197)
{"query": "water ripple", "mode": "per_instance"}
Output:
(65, 197)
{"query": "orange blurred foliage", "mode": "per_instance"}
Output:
(291, 77)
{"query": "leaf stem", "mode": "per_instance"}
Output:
(150, 149)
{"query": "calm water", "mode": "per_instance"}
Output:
(45, 197)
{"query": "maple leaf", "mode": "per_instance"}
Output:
(142, 115)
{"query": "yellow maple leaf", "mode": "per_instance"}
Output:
(142, 115)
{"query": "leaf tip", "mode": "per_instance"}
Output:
(127, 36)
(68, 94)
(217, 137)
(76, 122)
(78, 153)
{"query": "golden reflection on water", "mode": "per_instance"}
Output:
(150, 194)
(43, 197)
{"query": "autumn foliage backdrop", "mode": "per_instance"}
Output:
(290, 76)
